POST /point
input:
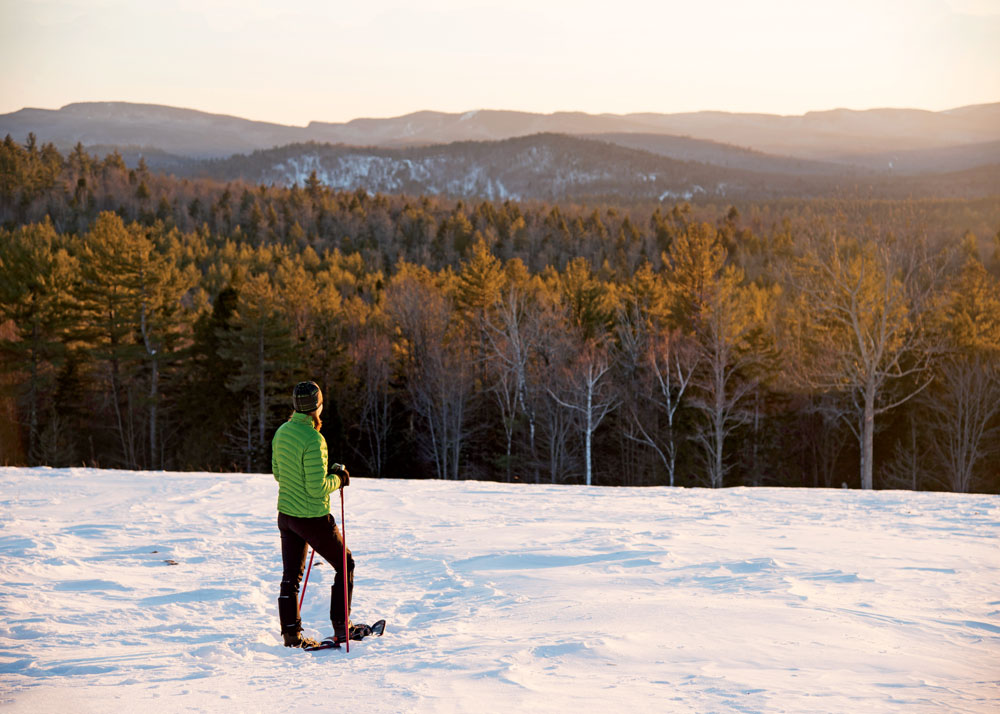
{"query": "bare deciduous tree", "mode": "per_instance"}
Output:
(721, 385)
(512, 336)
(962, 408)
(830, 419)
(859, 324)
(372, 361)
(544, 376)
(906, 468)
(664, 364)
(437, 367)
(239, 438)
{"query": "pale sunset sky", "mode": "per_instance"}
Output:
(299, 60)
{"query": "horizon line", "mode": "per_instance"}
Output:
(511, 111)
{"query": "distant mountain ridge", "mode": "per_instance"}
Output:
(834, 135)
(183, 132)
(562, 156)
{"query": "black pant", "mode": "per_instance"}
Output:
(322, 534)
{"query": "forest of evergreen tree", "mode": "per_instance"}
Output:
(151, 322)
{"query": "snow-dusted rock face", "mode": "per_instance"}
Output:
(381, 174)
(156, 592)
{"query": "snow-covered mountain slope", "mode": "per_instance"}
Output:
(499, 598)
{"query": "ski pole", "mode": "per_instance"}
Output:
(347, 612)
(302, 596)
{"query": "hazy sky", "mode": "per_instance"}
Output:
(333, 60)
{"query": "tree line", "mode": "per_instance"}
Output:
(154, 322)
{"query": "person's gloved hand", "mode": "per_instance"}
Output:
(341, 471)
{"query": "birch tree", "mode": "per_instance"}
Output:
(591, 396)
(513, 337)
(722, 381)
(671, 362)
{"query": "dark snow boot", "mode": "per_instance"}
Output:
(294, 638)
(340, 631)
(288, 607)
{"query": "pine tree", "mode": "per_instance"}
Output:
(162, 284)
(36, 273)
(259, 343)
(479, 282)
(589, 301)
(108, 299)
(709, 303)
(206, 407)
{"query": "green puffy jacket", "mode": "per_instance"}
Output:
(298, 461)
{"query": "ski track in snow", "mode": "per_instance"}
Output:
(499, 598)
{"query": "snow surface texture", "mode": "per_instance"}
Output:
(499, 598)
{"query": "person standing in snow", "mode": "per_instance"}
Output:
(299, 464)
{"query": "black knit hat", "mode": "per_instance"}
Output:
(306, 397)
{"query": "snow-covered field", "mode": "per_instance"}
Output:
(499, 599)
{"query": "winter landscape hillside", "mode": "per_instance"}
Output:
(155, 592)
